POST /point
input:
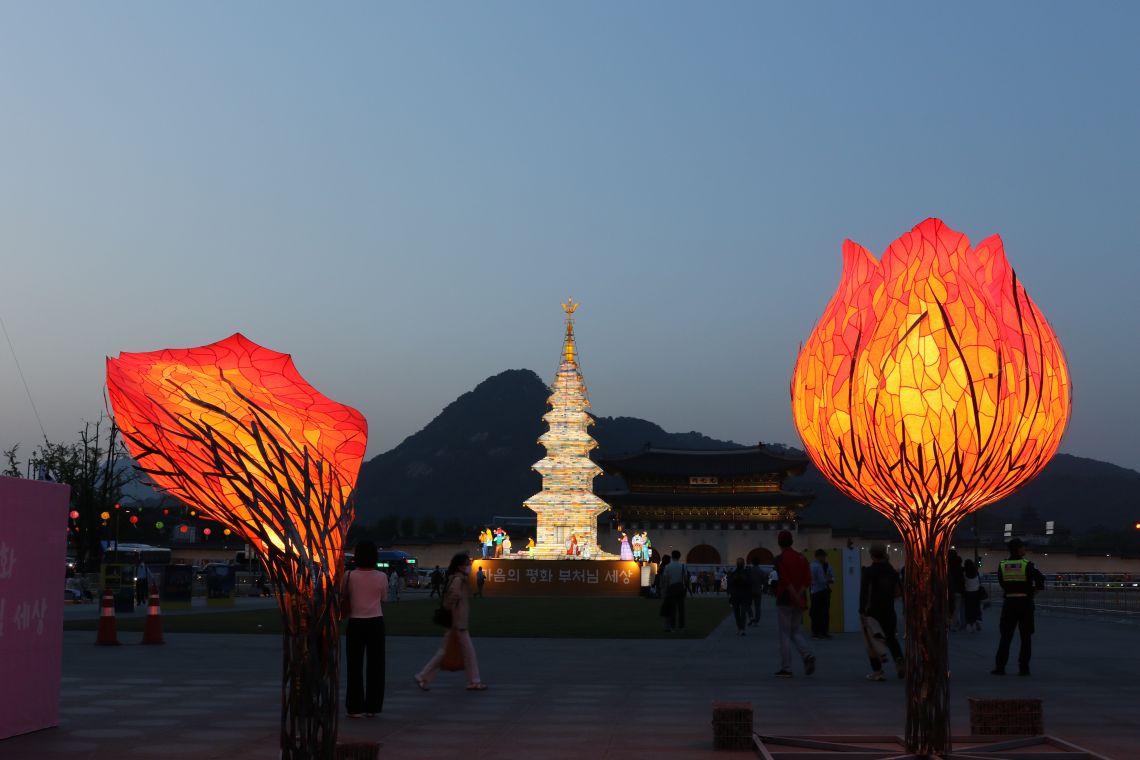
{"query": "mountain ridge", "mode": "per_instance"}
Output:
(473, 461)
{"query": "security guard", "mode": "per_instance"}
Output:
(1020, 580)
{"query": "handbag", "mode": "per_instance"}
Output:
(346, 598)
(442, 616)
(453, 655)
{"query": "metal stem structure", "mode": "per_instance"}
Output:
(925, 596)
(310, 685)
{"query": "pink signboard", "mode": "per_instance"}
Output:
(33, 550)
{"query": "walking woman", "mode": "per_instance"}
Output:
(364, 589)
(455, 599)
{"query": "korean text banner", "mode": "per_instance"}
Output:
(537, 577)
(33, 551)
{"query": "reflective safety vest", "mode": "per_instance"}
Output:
(1013, 570)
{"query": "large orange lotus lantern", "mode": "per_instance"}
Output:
(931, 387)
(233, 430)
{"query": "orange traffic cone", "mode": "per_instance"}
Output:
(152, 628)
(107, 635)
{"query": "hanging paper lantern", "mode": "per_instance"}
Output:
(74, 514)
(931, 387)
(226, 531)
(134, 519)
(158, 525)
(184, 529)
(206, 531)
(106, 515)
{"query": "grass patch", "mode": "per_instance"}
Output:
(503, 617)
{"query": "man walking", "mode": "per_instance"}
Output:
(1019, 580)
(436, 583)
(480, 579)
(821, 579)
(759, 583)
(879, 588)
(793, 581)
(675, 592)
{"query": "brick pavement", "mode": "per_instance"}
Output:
(214, 696)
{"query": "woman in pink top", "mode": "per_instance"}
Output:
(365, 587)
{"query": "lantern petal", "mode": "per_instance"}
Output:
(932, 381)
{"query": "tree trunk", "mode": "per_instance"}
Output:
(925, 607)
(310, 689)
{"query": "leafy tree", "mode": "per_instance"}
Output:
(13, 470)
(408, 526)
(428, 526)
(453, 526)
(92, 468)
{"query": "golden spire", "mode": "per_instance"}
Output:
(569, 308)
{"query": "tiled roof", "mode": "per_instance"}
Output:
(634, 499)
(704, 463)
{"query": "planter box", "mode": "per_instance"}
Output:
(990, 717)
(732, 726)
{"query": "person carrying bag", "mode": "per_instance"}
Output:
(456, 651)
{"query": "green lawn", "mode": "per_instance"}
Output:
(518, 617)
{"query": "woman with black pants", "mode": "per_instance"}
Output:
(365, 588)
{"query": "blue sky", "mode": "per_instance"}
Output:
(400, 195)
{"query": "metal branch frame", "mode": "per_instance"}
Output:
(287, 483)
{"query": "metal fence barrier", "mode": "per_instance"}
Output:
(1115, 597)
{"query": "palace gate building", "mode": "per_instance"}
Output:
(712, 505)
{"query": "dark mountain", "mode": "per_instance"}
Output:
(1075, 492)
(473, 462)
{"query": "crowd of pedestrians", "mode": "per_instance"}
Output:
(794, 582)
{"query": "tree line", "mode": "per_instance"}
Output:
(392, 527)
(88, 466)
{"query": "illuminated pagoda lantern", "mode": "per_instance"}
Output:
(567, 508)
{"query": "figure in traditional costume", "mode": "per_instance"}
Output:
(506, 546)
(500, 534)
(636, 544)
(572, 545)
(647, 548)
(625, 552)
(530, 546)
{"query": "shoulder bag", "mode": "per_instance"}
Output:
(442, 615)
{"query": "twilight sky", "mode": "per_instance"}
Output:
(400, 195)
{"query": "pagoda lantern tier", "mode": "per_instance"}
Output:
(567, 508)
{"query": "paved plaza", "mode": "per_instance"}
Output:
(215, 696)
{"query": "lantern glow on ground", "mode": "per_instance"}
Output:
(931, 387)
(567, 506)
(234, 430)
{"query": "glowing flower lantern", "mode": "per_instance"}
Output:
(158, 525)
(234, 430)
(134, 519)
(206, 531)
(184, 529)
(106, 515)
(931, 387)
(74, 514)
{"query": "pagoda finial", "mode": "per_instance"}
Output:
(569, 308)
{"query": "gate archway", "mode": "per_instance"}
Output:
(703, 554)
(761, 554)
